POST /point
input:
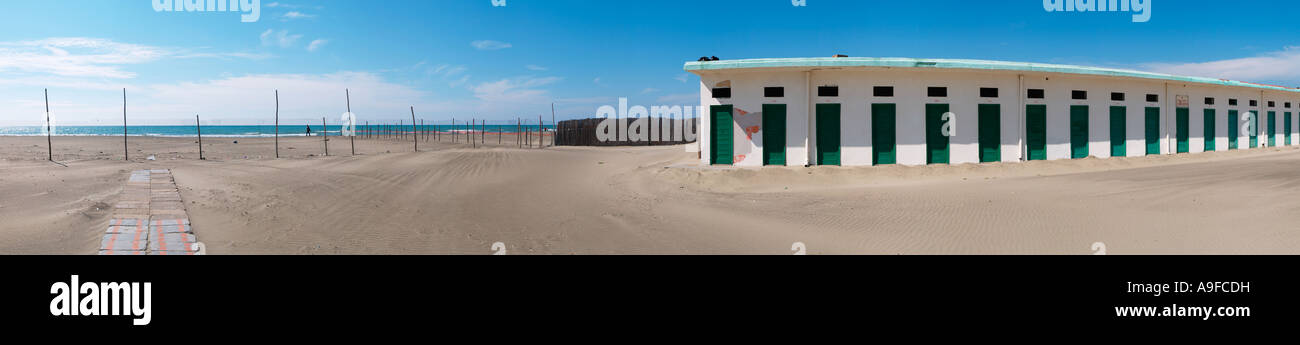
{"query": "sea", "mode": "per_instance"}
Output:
(259, 131)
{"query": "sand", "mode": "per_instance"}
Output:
(453, 199)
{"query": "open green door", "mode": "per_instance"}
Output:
(774, 134)
(935, 142)
(1036, 131)
(720, 134)
(1118, 131)
(1287, 128)
(1233, 125)
(1183, 131)
(828, 134)
(884, 145)
(1209, 130)
(1078, 131)
(1272, 129)
(1254, 133)
(1153, 130)
(990, 133)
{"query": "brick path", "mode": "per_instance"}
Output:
(150, 219)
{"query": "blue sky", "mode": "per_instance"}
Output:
(467, 58)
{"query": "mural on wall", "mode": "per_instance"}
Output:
(750, 123)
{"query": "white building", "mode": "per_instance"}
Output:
(871, 111)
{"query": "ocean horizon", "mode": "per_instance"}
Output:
(237, 131)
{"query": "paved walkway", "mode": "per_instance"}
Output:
(150, 219)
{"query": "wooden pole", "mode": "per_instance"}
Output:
(199, 128)
(541, 133)
(453, 130)
(126, 150)
(277, 124)
(557, 125)
(482, 134)
(352, 119)
(325, 136)
(413, 136)
(49, 142)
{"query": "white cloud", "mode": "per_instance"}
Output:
(90, 58)
(282, 38)
(250, 99)
(596, 81)
(516, 90)
(317, 44)
(246, 99)
(489, 45)
(1281, 66)
(602, 100)
(291, 15)
(80, 57)
(682, 77)
(292, 6)
(681, 98)
(649, 90)
(535, 68)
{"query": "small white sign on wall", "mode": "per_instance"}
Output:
(1183, 101)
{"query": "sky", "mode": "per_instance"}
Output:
(470, 58)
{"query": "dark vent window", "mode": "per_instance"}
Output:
(1254, 103)
(828, 91)
(883, 91)
(937, 91)
(1232, 101)
(1037, 94)
(722, 92)
(1209, 100)
(1076, 94)
(1153, 98)
(774, 92)
(1288, 105)
(989, 92)
(1117, 96)
(1272, 104)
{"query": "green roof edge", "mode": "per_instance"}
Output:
(963, 64)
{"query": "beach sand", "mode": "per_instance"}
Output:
(453, 199)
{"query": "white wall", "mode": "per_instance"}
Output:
(910, 86)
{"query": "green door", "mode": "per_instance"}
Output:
(883, 142)
(1209, 130)
(1036, 131)
(1287, 128)
(1233, 126)
(1183, 131)
(1118, 131)
(774, 134)
(720, 136)
(1153, 130)
(1078, 131)
(1272, 129)
(935, 142)
(990, 133)
(828, 134)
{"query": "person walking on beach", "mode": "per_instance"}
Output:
(309, 130)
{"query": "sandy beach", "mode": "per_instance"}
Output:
(453, 199)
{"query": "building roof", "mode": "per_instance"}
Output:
(697, 66)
